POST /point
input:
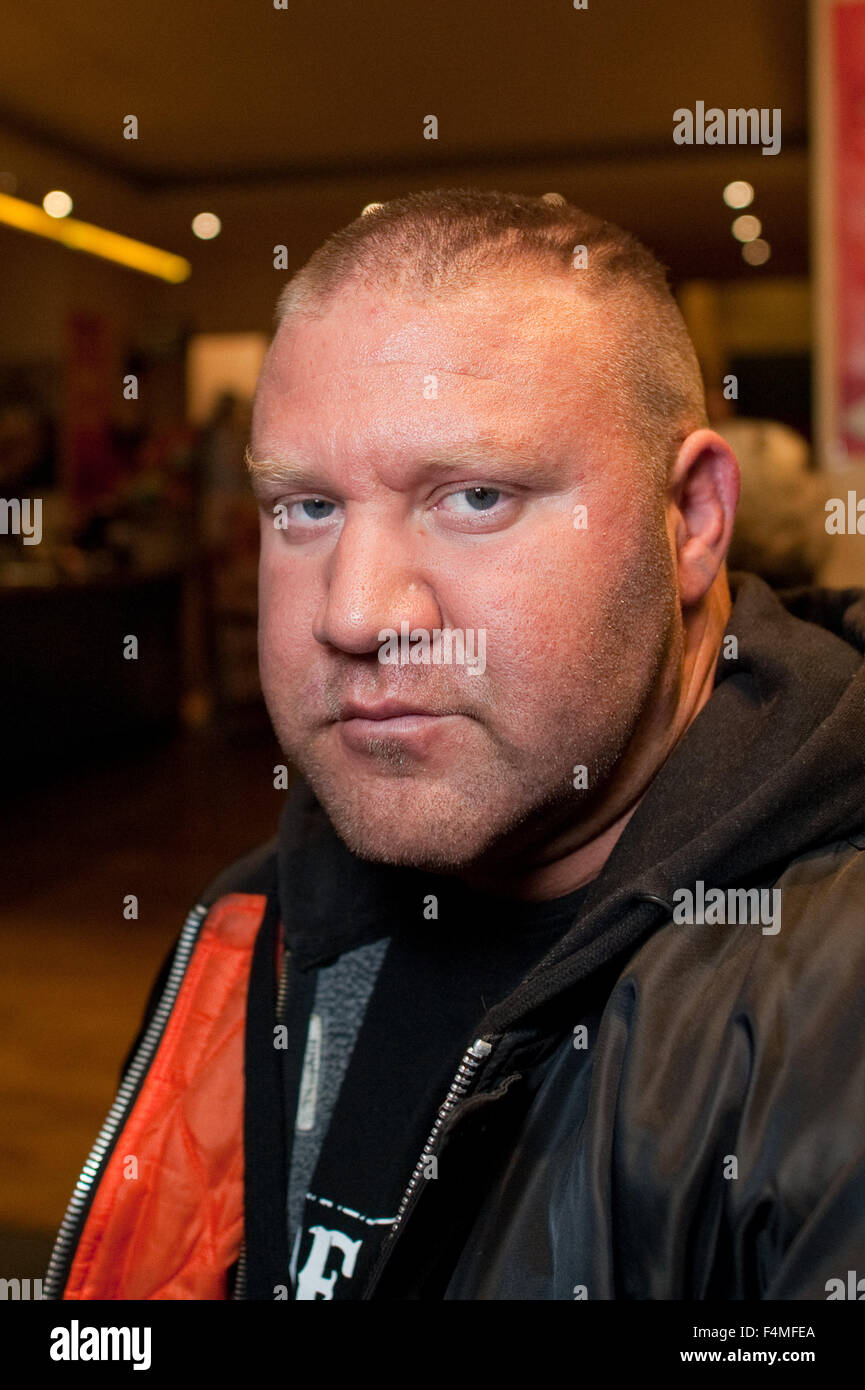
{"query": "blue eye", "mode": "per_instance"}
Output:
(480, 499)
(317, 509)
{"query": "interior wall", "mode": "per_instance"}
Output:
(42, 281)
(667, 201)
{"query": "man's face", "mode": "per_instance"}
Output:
(436, 457)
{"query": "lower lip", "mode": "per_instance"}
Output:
(403, 728)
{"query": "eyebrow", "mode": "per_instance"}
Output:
(518, 461)
(275, 470)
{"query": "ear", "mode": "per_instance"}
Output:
(702, 496)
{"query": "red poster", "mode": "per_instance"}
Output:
(88, 460)
(848, 54)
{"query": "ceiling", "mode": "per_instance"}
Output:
(236, 89)
(238, 92)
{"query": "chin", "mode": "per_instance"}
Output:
(403, 822)
(434, 859)
(407, 841)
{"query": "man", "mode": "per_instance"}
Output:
(551, 985)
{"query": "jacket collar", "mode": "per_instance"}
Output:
(330, 900)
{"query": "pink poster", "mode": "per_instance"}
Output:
(848, 138)
(89, 466)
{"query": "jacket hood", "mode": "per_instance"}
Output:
(772, 767)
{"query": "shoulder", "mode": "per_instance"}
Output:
(253, 873)
(804, 1000)
(822, 931)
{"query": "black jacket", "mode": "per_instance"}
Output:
(704, 1137)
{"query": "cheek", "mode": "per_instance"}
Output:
(284, 629)
(536, 597)
(286, 596)
(569, 608)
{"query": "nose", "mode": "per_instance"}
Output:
(375, 580)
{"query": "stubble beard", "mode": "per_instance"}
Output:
(488, 808)
(500, 801)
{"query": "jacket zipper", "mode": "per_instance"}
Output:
(239, 1293)
(70, 1227)
(476, 1053)
(471, 1060)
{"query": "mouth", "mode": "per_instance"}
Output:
(390, 719)
(384, 711)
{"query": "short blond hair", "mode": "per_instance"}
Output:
(440, 242)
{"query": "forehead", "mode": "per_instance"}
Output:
(515, 354)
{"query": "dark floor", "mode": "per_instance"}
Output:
(159, 824)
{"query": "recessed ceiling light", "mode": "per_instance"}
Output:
(747, 227)
(206, 226)
(738, 194)
(57, 203)
(756, 252)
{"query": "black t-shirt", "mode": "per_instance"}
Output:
(387, 1023)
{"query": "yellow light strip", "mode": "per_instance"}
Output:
(83, 236)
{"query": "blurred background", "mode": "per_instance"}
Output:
(235, 137)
